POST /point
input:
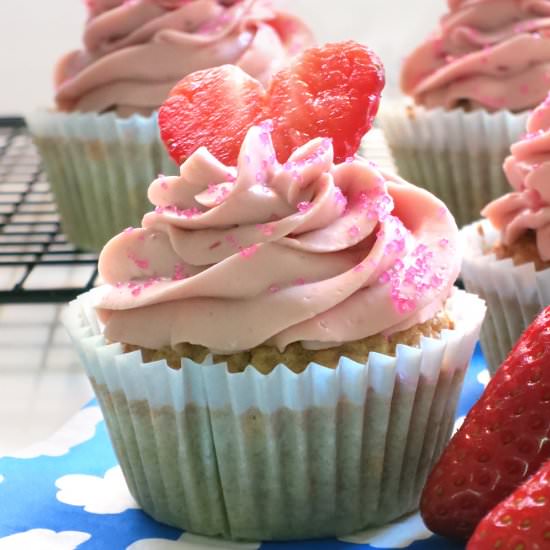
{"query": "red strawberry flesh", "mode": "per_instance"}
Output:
(522, 521)
(212, 108)
(331, 92)
(503, 440)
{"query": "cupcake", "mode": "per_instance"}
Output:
(507, 255)
(471, 86)
(278, 350)
(100, 144)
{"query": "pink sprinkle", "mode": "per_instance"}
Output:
(349, 160)
(384, 278)
(159, 209)
(420, 249)
(212, 188)
(443, 243)
(326, 144)
(274, 288)
(149, 282)
(267, 125)
(128, 230)
(442, 212)
(398, 265)
(359, 267)
(354, 231)
(267, 229)
(288, 166)
(404, 305)
(249, 251)
(230, 177)
(163, 182)
(141, 264)
(119, 285)
(340, 199)
(136, 291)
(190, 212)
(435, 281)
(304, 206)
(300, 281)
(260, 176)
(179, 272)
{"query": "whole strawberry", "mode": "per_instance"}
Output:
(522, 521)
(504, 439)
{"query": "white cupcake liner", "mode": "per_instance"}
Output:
(99, 168)
(280, 456)
(457, 155)
(514, 294)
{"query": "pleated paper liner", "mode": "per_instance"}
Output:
(99, 168)
(457, 155)
(280, 456)
(514, 294)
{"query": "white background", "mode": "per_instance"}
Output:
(34, 33)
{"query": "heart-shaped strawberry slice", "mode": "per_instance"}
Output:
(332, 92)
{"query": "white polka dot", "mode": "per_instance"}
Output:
(484, 377)
(98, 495)
(44, 539)
(400, 534)
(79, 429)
(188, 541)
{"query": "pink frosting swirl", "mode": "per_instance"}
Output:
(136, 51)
(528, 171)
(307, 251)
(493, 54)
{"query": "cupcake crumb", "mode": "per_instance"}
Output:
(265, 358)
(522, 251)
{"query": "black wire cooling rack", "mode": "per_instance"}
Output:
(37, 263)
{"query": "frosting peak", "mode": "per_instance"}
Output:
(493, 54)
(307, 251)
(528, 171)
(136, 51)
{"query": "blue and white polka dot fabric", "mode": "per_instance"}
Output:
(68, 492)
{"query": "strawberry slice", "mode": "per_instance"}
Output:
(332, 92)
(212, 108)
(504, 439)
(522, 521)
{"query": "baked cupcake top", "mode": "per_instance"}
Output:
(489, 54)
(527, 208)
(135, 51)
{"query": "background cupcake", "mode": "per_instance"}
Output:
(472, 84)
(284, 367)
(507, 256)
(101, 145)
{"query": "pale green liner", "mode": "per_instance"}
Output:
(514, 294)
(457, 155)
(99, 168)
(281, 456)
